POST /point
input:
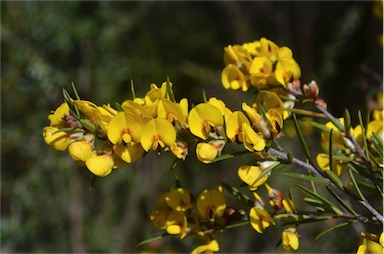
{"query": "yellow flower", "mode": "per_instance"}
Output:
(129, 152)
(287, 70)
(211, 203)
(180, 149)
(125, 128)
(171, 111)
(257, 120)
(81, 151)
(58, 140)
(56, 118)
(252, 141)
(249, 175)
(370, 244)
(92, 112)
(268, 48)
(233, 78)
(206, 152)
(159, 219)
(203, 118)
(211, 247)
(177, 224)
(276, 121)
(157, 134)
(261, 72)
(100, 165)
(179, 199)
(290, 239)
(234, 125)
(338, 167)
(288, 205)
(260, 219)
(238, 56)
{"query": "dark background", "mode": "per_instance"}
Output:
(46, 201)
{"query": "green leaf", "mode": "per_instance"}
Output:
(331, 229)
(298, 219)
(316, 125)
(152, 239)
(133, 90)
(347, 121)
(305, 177)
(325, 204)
(335, 179)
(330, 151)
(75, 91)
(229, 155)
(118, 106)
(268, 171)
(319, 205)
(301, 138)
(237, 194)
(352, 177)
(364, 133)
(341, 201)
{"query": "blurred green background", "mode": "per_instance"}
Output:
(47, 204)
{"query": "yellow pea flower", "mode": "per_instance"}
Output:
(268, 48)
(159, 219)
(56, 118)
(180, 149)
(171, 111)
(370, 244)
(157, 134)
(252, 47)
(252, 141)
(276, 121)
(338, 167)
(177, 224)
(225, 111)
(287, 70)
(81, 151)
(233, 78)
(234, 124)
(238, 56)
(91, 112)
(125, 127)
(257, 120)
(100, 165)
(207, 152)
(261, 72)
(58, 140)
(203, 118)
(260, 219)
(249, 175)
(179, 199)
(210, 247)
(211, 203)
(129, 152)
(290, 239)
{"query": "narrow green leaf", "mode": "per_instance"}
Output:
(229, 155)
(341, 201)
(237, 194)
(327, 205)
(118, 106)
(170, 90)
(204, 96)
(336, 122)
(75, 91)
(358, 169)
(296, 219)
(334, 179)
(317, 125)
(301, 138)
(319, 205)
(347, 121)
(152, 239)
(355, 184)
(133, 90)
(364, 133)
(366, 186)
(305, 177)
(331, 229)
(265, 172)
(330, 150)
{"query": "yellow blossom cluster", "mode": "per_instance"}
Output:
(261, 64)
(103, 138)
(178, 214)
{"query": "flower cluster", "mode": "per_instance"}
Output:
(103, 138)
(178, 214)
(261, 64)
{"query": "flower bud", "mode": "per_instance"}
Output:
(311, 90)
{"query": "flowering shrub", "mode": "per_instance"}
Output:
(350, 168)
